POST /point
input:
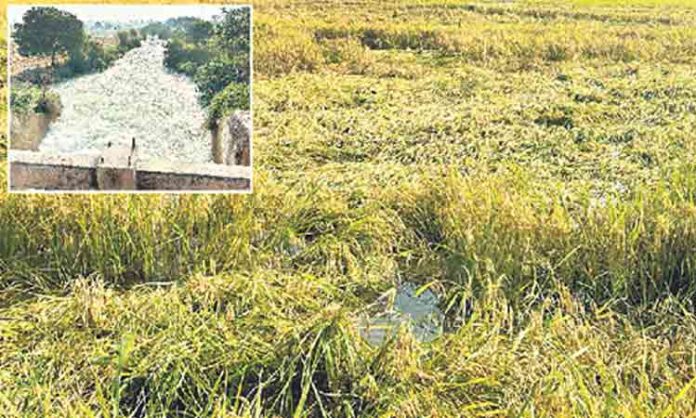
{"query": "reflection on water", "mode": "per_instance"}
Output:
(420, 312)
(136, 97)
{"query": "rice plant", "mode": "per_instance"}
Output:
(530, 163)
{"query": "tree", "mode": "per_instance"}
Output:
(232, 41)
(158, 29)
(233, 31)
(235, 96)
(212, 77)
(186, 58)
(199, 31)
(47, 31)
(128, 40)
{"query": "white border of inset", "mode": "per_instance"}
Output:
(130, 192)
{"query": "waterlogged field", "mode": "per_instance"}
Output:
(529, 163)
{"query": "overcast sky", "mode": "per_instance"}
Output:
(122, 13)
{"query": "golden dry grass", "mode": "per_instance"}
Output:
(539, 180)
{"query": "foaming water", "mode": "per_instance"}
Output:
(136, 97)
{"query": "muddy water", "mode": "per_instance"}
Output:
(136, 97)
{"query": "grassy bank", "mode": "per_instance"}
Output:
(542, 184)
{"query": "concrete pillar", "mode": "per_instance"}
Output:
(217, 137)
(239, 149)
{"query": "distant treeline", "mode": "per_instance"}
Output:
(190, 28)
(51, 32)
(95, 56)
(215, 54)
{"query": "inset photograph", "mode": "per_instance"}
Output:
(122, 98)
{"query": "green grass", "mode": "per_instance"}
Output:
(541, 183)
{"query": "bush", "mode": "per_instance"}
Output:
(24, 97)
(212, 78)
(27, 98)
(91, 57)
(233, 97)
(185, 58)
(63, 72)
(99, 58)
(77, 62)
(128, 40)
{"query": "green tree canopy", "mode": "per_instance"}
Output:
(199, 31)
(158, 29)
(47, 31)
(233, 31)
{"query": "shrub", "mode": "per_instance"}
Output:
(24, 97)
(27, 98)
(98, 58)
(233, 97)
(91, 57)
(128, 40)
(189, 68)
(77, 62)
(185, 58)
(212, 78)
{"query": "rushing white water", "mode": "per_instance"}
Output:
(136, 97)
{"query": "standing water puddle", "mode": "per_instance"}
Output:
(138, 98)
(419, 311)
